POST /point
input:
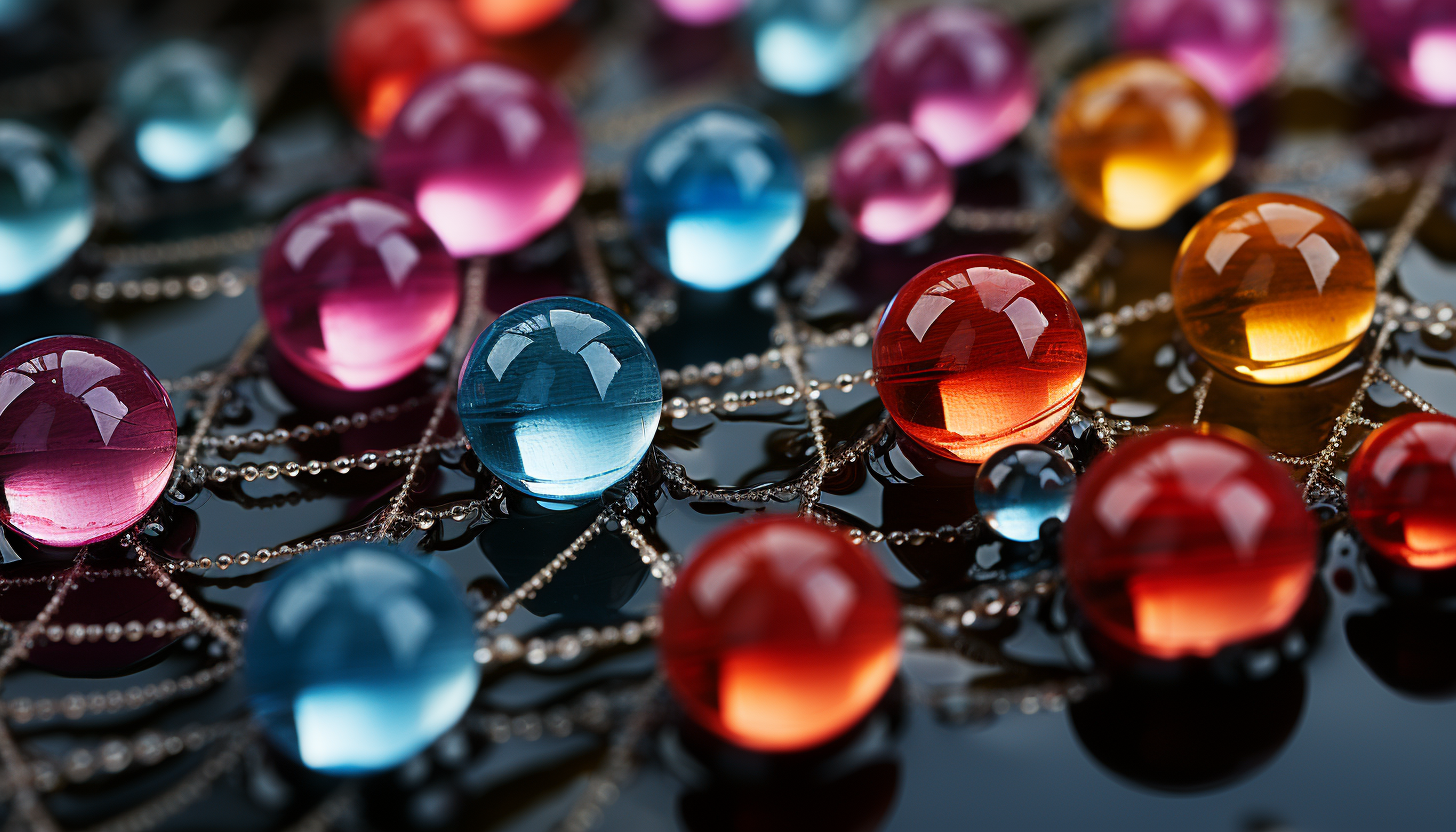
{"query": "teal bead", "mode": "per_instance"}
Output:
(46, 207)
(809, 47)
(1021, 487)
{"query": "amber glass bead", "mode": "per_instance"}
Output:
(1273, 288)
(977, 352)
(1183, 543)
(1402, 490)
(504, 18)
(779, 635)
(1135, 138)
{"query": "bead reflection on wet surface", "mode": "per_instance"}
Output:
(46, 206)
(1020, 487)
(1413, 43)
(890, 184)
(1402, 490)
(808, 47)
(1230, 46)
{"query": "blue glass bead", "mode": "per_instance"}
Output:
(715, 197)
(560, 398)
(357, 658)
(46, 207)
(13, 13)
(188, 110)
(808, 47)
(1020, 487)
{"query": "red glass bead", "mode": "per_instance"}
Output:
(87, 440)
(779, 634)
(977, 352)
(1402, 490)
(890, 184)
(504, 18)
(1182, 543)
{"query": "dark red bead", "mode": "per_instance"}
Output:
(1402, 490)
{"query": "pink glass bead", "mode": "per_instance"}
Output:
(489, 155)
(357, 290)
(889, 183)
(87, 439)
(960, 76)
(701, 12)
(1413, 43)
(1231, 47)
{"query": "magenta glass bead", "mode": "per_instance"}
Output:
(889, 183)
(87, 439)
(701, 12)
(961, 76)
(489, 155)
(357, 290)
(1231, 47)
(1413, 43)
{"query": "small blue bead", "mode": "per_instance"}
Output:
(560, 398)
(358, 658)
(14, 13)
(1021, 487)
(46, 207)
(714, 198)
(188, 111)
(809, 47)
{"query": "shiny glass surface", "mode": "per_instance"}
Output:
(1232, 47)
(889, 183)
(46, 206)
(504, 18)
(1020, 487)
(1413, 44)
(1402, 490)
(701, 12)
(809, 47)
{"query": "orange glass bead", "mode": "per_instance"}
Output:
(1136, 138)
(1273, 288)
(978, 352)
(1402, 490)
(504, 18)
(779, 635)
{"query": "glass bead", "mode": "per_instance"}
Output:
(506, 18)
(977, 352)
(46, 206)
(560, 398)
(1231, 47)
(1402, 490)
(714, 198)
(809, 47)
(187, 110)
(1020, 487)
(489, 155)
(960, 76)
(357, 658)
(701, 12)
(1273, 288)
(1136, 138)
(1182, 543)
(15, 13)
(386, 48)
(889, 183)
(779, 635)
(87, 440)
(357, 290)
(1413, 44)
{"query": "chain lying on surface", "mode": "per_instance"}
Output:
(506, 649)
(230, 282)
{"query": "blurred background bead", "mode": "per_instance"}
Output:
(46, 206)
(701, 12)
(1402, 490)
(505, 18)
(1273, 288)
(1231, 47)
(560, 398)
(1136, 138)
(809, 47)
(960, 76)
(1021, 487)
(357, 290)
(714, 197)
(1413, 44)
(87, 440)
(15, 13)
(889, 183)
(358, 658)
(187, 109)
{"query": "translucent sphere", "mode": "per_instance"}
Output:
(46, 207)
(961, 76)
(1273, 288)
(357, 290)
(357, 658)
(1402, 490)
(714, 198)
(1021, 487)
(779, 635)
(560, 398)
(87, 440)
(889, 183)
(701, 12)
(808, 47)
(504, 18)
(489, 155)
(1230, 46)
(1136, 138)
(1413, 44)
(187, 110)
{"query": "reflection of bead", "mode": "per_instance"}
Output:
(1136, 138)
(1230, 46)
(46, 207)
(1181, 543)
(808, 47)
(701, 12)
(1273, 288)
(890, 184)
(1413, 43)
(1402, 490)
(511, 17)
(1021, 487)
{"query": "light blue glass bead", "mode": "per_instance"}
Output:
(1020, 487)
(358, 658)
(715, 197)
(560, 398)
(187, 109)
(46, 207)
(13, 13)
(809, 47)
